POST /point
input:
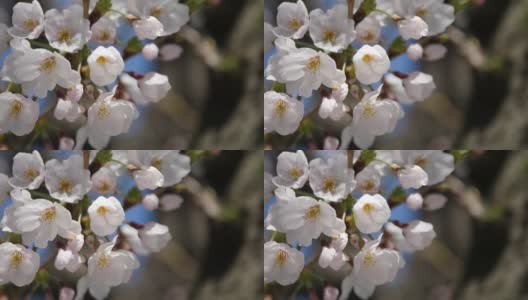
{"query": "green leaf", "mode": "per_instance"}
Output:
(133, 46)
(398, 46)
(133, 197)
(459, 154)
(196, 155)
(367, 7)
(367, 156)
(103, 157)
(195, 4)
(398, 195)
(459, 4)
(103, 6)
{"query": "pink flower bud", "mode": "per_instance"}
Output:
(151, 202)
(170, 52)
(66, 143)
(415, 201)
(150, 51)
(331, 143)
(415, 51)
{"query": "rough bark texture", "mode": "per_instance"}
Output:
(508, 126)
(507, 277)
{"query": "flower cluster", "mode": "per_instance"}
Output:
(75, 53)
(343, 202)
(74, 203)
(337, 63)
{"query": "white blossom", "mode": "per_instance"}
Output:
(415, 201)
(332, 30)
(371, 63)
(159, 168)
(150, 202)
(108, 268)
(282, 113)
(437, 164)
(419, 86)
(434, 201)
(106, 64)
(69, 107)
(369, 30)
(303, 219)
(292, 20)
(18, 264)
(372, 117)
(153, 87)
(415, 51)
(170, 52)
(150, 51)
(69, 257)
(282, 263)
(333, 106)
(413, 28)
(333, 256)
(104, 31)
(330, 179)
(412, 177)
(28, 171)
(170, 202)
(434, 52)
(419, 234)
(28, 20)
(67, 30)
(106, 214)
(18, 114)
(435, 13)
(158, 17)
(68, 180)
(368, 180)
(104, 181)
(292, 170)
(371, 212)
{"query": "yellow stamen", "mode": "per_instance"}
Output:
(329, 36)
(103, 261)
(280, 257)
(313, 63)
(367, 58)
(102, 210)
(367, 208)
(16, 108)
(368, 185)
(369, 259)
(295, 23)
(280, 107)
(65, 186)
(329, 184)
(30, 174)
(104, 187)
(156, 163)
(420, 161)
(30, 24)
(103, 36)
(421, 12)
(155, 12)
(49, 215)
(101, 60)
(312, 214)
(295, 173)
(16, 259)
(64, 36)
(368, 110)
(368, 36)
(103, 111)
(48, 64)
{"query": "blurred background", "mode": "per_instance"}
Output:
(215, 251)
(214, 102)
(480, 100)
(481, 248)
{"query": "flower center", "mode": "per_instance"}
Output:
(295, 173)
(156, 163)
(103, 111)
(295, 23)
(103, 261)
(329, 184)
(30, 24)
(368, 36)
(280, 107)
(104, 187)
(16, 259)
(368, 185)
(48, 64)
(367, 58)
(312, 213)
(102, 210)
(30, 174)
(368, 110)
(155, 12)
(280, 257)
(367, 208)
(65, 186)
(16, 108)
(101, 60)
(369, 259)
(313, 63)
(103, 36)
(64, 35)
(48, 215)
(420, 161)
(421, 12)
(329, 36)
